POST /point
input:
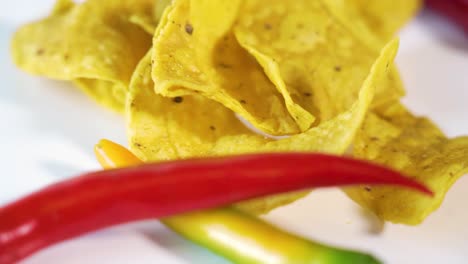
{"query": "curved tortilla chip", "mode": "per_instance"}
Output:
(162, 128)
(312, 58)
(415, 146)
(195, 52)
(149, 23)
(93, 44)
(386, 17)
(159, 9)
(359, 16)
(348, 13)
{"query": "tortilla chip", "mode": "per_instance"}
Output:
(386, 17)
(159, 9)
(145, 22)
(312, 58)
(348, 13)
(415, 146)
(149, 23)
(195, 52)
(162, 128)
(93, 44)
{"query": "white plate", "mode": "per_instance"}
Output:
(48, 130)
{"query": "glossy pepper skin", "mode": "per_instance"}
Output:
(242, 238)
(455, 10)
(237, 236)
(105, 198)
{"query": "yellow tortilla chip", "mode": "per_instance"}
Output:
(159, 9)
(93, 44)
(415, 146)
(348, 13)
(386, 17)
(149, 23)
(312, 58)
(195, 52)
(162, 128)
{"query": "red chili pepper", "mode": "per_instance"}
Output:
(456, 10)
(105, 198)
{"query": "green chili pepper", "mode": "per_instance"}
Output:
(245, 239)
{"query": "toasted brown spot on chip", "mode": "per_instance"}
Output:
(178, 99)
(189, 28)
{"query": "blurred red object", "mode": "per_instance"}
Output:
(455, 10)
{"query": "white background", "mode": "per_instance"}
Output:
(48, 129)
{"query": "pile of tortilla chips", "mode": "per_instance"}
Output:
(306, 75)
